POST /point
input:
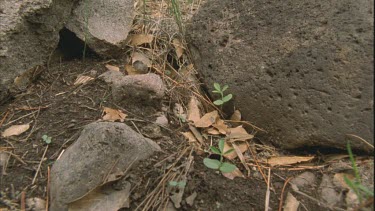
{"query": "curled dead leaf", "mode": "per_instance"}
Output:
(131, 70)
(212, 131)
(193, 110)
(15, 130)
(178, 46)
(207, 120)
(140, 57)
(234, 174)
(239, 134)
(189, 136)
(113, 115)
(139, 39)
(82, 80)
(221, 126)
(288, 160)
(242, 146)
(112, 68)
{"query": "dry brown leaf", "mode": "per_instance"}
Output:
(221, 126)
(212, 131)
(137, 56)
(239, 134)
(197, 134)
(234, 174)
(291, 203)
(112, 68)
(193, 110)
(179, 47)
(82, 80)
(139, 39)
(190, 137)
(241, 157)
(131, 70)
(288, 160)
(113, 115)
(241, 145)
(236, 116)
(102, 198)
(15, 130)
(207, 120)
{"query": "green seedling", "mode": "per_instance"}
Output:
(220, 90)
(47, 139)
(356, 184)
(224, 167)
(180, 184)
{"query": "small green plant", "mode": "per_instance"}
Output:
(356, 184)
(47, 139)
(220, 90)
(175, 8)
(224, 167)
(180, 184)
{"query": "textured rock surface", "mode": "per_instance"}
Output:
(29, 31)
(84, 164)
(303, 70)
(103, 24)
(145, 88)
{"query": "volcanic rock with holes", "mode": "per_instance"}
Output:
(302, 70)
(29, 31)
(103, 148)
(103, 25)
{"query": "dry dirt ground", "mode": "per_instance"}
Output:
(55, 107)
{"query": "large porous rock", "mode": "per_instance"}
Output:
(29, 31)
(303, 70)
(103, 148)
(103, 25)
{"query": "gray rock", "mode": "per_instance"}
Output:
(29, 31)
(111, 76)
(304, 179)
(145, 88)
(104, 25)
(303, 70)
(102, 148)
(328, 194)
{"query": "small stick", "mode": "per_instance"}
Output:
(267, 201)
(361, 139)
(23, 199)
(282, 193)
(41, 160)
(5, 116)
(48, 184)
(20, 118)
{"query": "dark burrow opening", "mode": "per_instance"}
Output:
(71, 47)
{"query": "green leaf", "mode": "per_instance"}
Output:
(366, 190)
(181, 184)
(227, 98)
(221, 146)
(228, 151)
(217, 86)
(227, 167)
(173, 183)
(215, 150)
(48, 140)
(218, 102)
(216, 91)
(225, 88)
(211, 163)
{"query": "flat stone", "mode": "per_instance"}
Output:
(102, 148)
(302, 70)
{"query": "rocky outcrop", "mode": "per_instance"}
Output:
(302, 70)
(29, 32)
(103, 25)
